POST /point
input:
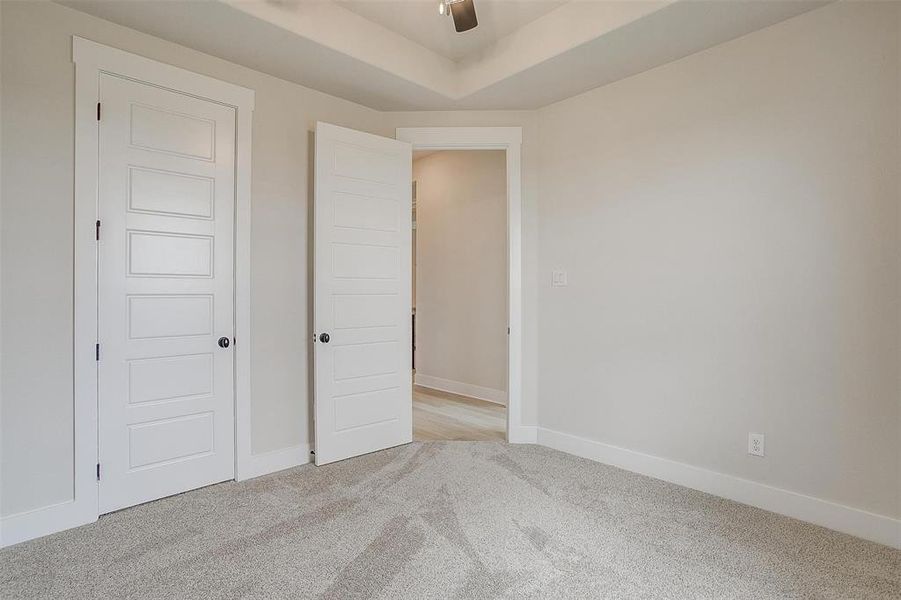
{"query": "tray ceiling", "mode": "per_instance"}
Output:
(402, 55)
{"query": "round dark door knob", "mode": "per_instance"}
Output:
(324, 338)
(223, 342)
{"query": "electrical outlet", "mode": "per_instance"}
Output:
(756, 444)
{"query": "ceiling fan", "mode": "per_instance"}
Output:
(463, 11)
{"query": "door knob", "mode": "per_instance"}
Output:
(324, 338)
(223, 342)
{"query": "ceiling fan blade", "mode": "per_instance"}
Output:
(464, 14)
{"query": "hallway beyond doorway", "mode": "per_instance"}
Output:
(441, 415)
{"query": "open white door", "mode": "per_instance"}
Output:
(362, 293)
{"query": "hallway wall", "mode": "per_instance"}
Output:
(461, 272)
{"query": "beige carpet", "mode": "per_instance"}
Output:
(449, 520)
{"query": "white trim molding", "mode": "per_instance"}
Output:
(853, 521)
(464, 389)
(508, 139)
(242, 336)
(43, 521)
(91, 60)
(524, 434)
(275, 460)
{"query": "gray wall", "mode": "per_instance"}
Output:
(461, 267)
(729, 223)
(730, 227)
(37, 166)
(36, 278)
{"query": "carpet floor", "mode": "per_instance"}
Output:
(449, 520)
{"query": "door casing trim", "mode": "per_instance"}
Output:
(510, 140)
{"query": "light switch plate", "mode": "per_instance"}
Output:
(558, 279)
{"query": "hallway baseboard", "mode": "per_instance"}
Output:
(463, 389)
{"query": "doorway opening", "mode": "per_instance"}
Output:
(362, 279)
(459, 295)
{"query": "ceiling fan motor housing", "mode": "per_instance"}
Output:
(463, 12)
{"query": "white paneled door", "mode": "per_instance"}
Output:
(362, 302)
(166, 292)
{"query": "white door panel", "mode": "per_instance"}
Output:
(362, 280)
(165, 289)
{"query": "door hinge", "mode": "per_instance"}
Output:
(508, 331)
(98, 471)
(96, 351)
(98, 111)
(97, 230)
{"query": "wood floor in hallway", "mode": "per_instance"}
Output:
(443, 416)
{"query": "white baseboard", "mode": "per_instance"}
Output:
(860, 523)
(276, 460)
(43, 521)
(463, 389)
(523, 434)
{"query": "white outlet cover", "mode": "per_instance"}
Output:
(756, 444)
(558, 279)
